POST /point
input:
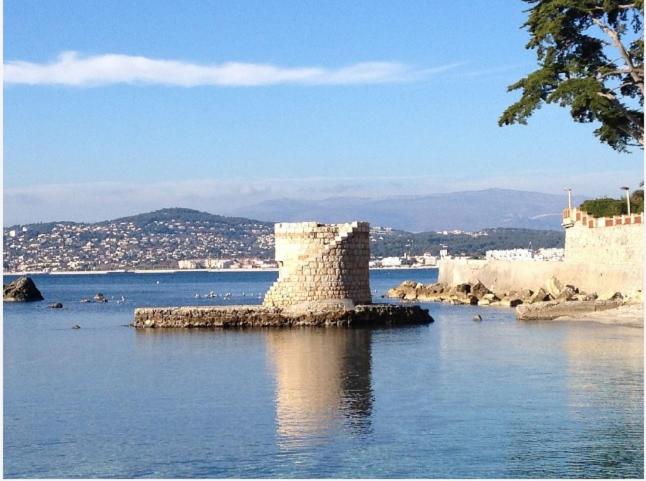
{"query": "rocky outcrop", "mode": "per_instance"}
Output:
(22, 289)
(370, 315)
(465, 293)
(550, 301)
(479, 294)
(554, 309)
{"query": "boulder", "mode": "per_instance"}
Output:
(525, 294)
(22, 289)
(515, 301)
(491, 297)
(479, 290)
(539, 296)
(554, 309)
(553, 287)
(510, 302)
(99, 297)
(567, 293)
(56, 305)
(463, 288)
(405, 290)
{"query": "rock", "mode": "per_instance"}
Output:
(553, 309)
(515, 301)
(56, 305)
(22, 289)
(463, 288)
(406, 290)
(553, 287)
(484, 302)
(99, 297)
(477, 317)
(491, 297)
(473, 300)
(538, 296)
(76, 326)
(567, 293)
(617, 296)
(479, 290)
(582, 296)
(510, 302)
(526, 294)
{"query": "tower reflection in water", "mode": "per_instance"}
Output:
(322, 381)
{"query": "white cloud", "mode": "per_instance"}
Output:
(72, 69)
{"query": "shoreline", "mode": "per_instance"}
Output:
(175, 271)
(627, 315)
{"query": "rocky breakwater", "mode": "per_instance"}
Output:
(550, 301)
(320, 314)
(22, 289)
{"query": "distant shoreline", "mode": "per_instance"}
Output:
(174, 271)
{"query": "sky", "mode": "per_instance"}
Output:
(113, 107)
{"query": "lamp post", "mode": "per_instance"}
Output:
(627, 189)
(569, 197)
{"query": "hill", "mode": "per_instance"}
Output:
(161, 238)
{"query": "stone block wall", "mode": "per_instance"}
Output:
(617, 241)
(603, 255)
(321, 262)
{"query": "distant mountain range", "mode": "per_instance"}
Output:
(469, 211)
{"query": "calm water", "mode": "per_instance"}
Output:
(456, 398)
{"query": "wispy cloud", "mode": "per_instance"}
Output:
(107, 200)
(70, 68)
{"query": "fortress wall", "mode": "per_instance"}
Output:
(321, 262)
(501, 276)
(620, 245)
(603, 255)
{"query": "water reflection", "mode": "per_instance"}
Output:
(605, 374)
(322, 381)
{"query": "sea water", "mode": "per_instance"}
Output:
(456, 398)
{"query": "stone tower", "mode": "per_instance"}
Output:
(320, 262)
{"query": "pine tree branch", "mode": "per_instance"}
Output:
(636, 73)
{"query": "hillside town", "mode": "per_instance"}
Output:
(190, 240)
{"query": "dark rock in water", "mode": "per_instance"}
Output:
(22, 289)
(56, 305)
(477, 317)
(76, 326)
(99, 297)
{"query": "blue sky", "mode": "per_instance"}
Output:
(324, 98)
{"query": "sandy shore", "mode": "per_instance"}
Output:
(627, 315)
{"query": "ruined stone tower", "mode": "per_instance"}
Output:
(321, 262)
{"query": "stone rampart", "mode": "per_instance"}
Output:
(602, 255)
(321, 262)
